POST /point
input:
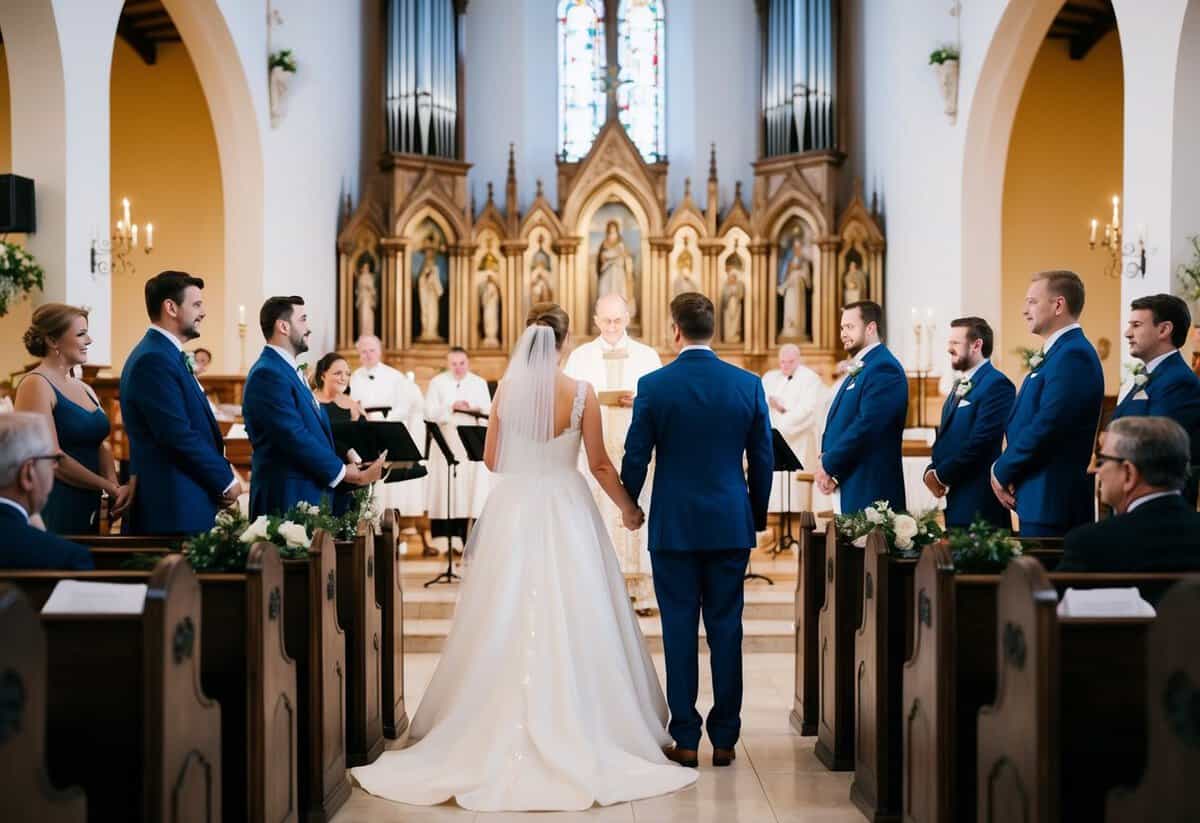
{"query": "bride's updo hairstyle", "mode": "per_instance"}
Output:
(552, 316)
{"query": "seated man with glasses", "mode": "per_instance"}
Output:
(27, 461)
(1142, 466)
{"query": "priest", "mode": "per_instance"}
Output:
(386, 393)
(796, 397)
(456, 397)
(614, 363)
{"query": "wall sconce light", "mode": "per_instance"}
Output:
(113, 255)
(1118, 251)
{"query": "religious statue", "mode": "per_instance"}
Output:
(854, 284)
(614, 267)
(540, 290)
(489, 298)
(429, 293)
(684, 280)
(365, 295)
(733, 299)
(795, 282)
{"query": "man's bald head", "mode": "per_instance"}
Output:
(612, 317)
(370, 350)
(789, 358)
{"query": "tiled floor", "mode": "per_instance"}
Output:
(776, 778)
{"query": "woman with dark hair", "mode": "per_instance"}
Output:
(58, 335)
(331, 377)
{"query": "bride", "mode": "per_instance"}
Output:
(545, 697)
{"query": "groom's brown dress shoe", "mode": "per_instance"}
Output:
(723, 757)
(684, 757)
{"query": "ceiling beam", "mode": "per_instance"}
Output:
(138, 41)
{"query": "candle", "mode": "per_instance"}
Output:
(1092, 236)
(1141, 234)
(120, 229)
(149, 236)
(133, 230)
(1116, 223)
(241, 315)
(929, 314)
(125, 203)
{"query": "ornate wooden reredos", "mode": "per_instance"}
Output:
(421, 266)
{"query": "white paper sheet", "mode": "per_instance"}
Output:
(1126, 602)
(86, 597)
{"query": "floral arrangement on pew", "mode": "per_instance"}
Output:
(906, 534)
(19, 275)
(982, 548)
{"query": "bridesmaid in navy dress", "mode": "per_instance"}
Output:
(332, 378)
(59, 336)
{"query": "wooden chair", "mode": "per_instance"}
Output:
(26, 792)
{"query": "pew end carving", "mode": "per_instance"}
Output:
(389, 591)
(810, 592)
(359, 616)
(837, 621)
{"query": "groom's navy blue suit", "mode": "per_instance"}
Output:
(699, 416)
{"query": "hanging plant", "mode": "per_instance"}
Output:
(19, 274)
(941, 55)
(282, 59)
(945, 62)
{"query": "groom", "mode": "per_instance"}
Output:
(703, 519)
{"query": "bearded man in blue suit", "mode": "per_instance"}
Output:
(1043, 472)
(294, 457)
(972, 429)
(860, 450)
(1163, 385)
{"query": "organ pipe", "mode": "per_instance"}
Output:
(799, 90)
(422, 105)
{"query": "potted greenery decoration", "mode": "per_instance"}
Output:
(982, 548)
(1189, 278)
(19, 274)
(945, 62)
(906, 534)
(281, 65)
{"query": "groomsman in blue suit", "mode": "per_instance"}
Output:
(860, 451)
(1043, 472)
(294, 457)
(972, 429)
(1163, 385)
(699, 416)
(175, 446)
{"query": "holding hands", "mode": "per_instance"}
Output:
(823, 480)
(633, 518)
(936, 488)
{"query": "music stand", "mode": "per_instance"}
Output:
(434, 435)
(786, 462)
(371, 438)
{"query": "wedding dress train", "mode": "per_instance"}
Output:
(545, 697)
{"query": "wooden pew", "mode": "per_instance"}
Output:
(243, 666)
(389, 591)
(360, 617)
(1167, 790)
(26, 792)
(127, 718)
(318, 645)
(810, 593)
(951, 675)
(111, 551)
(882, 642)
(836, 624)
(1066, 724)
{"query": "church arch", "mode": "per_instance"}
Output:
(1185, 172)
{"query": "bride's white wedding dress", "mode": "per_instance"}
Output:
(545, 697)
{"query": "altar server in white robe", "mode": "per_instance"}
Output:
(376, 385)
(797, 399)
(614, 363)
(455, 398)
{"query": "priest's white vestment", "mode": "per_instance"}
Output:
(618, 368)
(470, 489)
(804, 396)
(382, 386)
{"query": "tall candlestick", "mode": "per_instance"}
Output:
(125, 203)
(1116, 223)
(149, 236)
(133, 230)
(1092, 236)
(241, 315)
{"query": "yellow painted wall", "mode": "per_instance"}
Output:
(1064, 165)
(164, 159)
(12, 326)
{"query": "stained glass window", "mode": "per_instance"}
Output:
(640, 96)
(581, 71)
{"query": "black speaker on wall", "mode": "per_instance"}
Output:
(17, 213)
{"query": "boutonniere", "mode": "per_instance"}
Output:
(1138, 374)
(854, 368)
(1036, 359)
(190, 361)
(302, 369)
(965, 385)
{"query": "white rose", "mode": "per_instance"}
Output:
(294, 535)
(874, 515)
(903, 542)
(256, 530)
(861, 542)
(906, 529)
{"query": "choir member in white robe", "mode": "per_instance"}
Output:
(797, 399)
(613, 363)
(455, 398)
(376, 385)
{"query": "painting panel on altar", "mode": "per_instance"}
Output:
(795, 275)
(367, 296)
(615, 245)
(430, 284)
(489, 296)
(732, 322)
(541, 283)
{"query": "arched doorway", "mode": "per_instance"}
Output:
(1185, 171)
